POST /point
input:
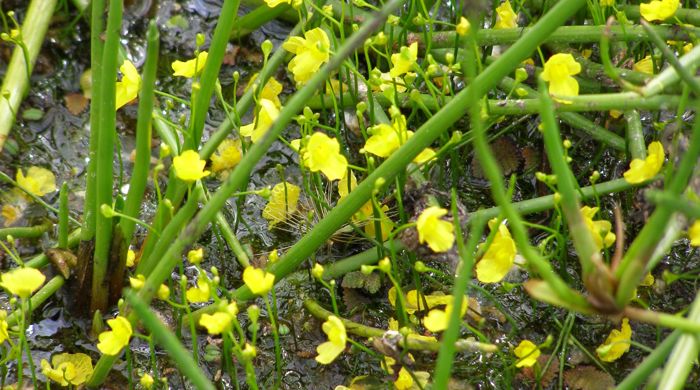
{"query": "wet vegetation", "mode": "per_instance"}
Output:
(347, 194)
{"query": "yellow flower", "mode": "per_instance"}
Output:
(112, 342)
(659, 9)
(146, 381)
(22, 281)
(601, 229)
(258, 281)
(384, 222)
(645, 65)
(270, 91)
(275, 3)
(312, 51)
(558, 71)
(128, 88)
(3, 327)
(201, 293)
(68, 368)
(527, 353)
(403, 61)
(322, 153)
(227, 155)
(437, 320)
(195, 256)
(189, 167)
(163, 292)
(506, 17)
(617, 343)
(643, 170)
(405, 381)
(344, 187)
(190, 68)
(215, 323)
(267, 114)
(694, 233)
(386, 139)
(10, 213)
(130, 258)
(438, 233)
(499, 257)
(463, 26)
(414, 300)
(283, 203)
(137, 282)
(607, 3)
(328, 351)
(39, 181)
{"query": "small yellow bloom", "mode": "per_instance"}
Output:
(337, 337)
(163, 292)
(3, 327)
(499, 257)
(22, 281)
(437, 320)
(344, 187)
(694, 233)
(617, 343)
(283, 203)
(607, 3)
(113, 341)
(403, 61)
(645, 65)
(603, 237)
(558, 71)
(275, 3)
(128, 88)
(643, 170)
(659, 9)
(10, 214)
(195, 256)
(39, 181)
(130, 258)
(438, 233)
(414, 300)
(227, 155)
(215, 323)
(271, 91)
(312, 51)
(146, 381)
(200, 293)
(68, 368)
(190, 68)
(267, 115)
(258, 281)
(137, 282)
(322, 153)
(405, 381)
(385, 139)
(527, 353)
(189, 167)
(463, 26)
(506, 17)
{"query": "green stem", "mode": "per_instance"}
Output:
(635, 136)
(105, 153)
(683, 356)
(16, 80)
(669, 76)
(163, 336)
(63, 217)
(256, 18)
(25, 232)
(38, 298)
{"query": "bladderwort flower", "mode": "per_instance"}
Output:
(438, 233)
(274, 3)
(527, 353)
(284, 200)
(113, 341)
(201, 292)
(463, 26)
(195, 256)
(499, 257)
(617, 343)
(128, 88)
(322, 153)
(267, 114)
(39, 181)
(312, 51)
(22, 281)
(337, 339)
(189, 167)
(645, 65)
(386, 139)
(68, 368)
(270, 91)
(659, 9)
(694, 233)
(643, 170)
(3, 327)
(258, 280)
(603, 237)
(437, 320)
(227, 155)
(505, 16)
(559, 71)
(403, 61)
(215, 323)
(191, 67)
